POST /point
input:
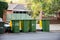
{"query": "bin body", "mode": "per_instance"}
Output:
(1, 27)
(1, 24)
(45, 25)
(1, 30)
(25, 26)
(15, 26)
(32, 25)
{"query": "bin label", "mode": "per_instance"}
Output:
(16, 24)
(32, 24)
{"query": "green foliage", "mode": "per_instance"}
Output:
(3, 6)
(47, 6)
(2, 0)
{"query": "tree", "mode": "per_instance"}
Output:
(3, 7)
(38, 5)
(49, 7)
(2, 0)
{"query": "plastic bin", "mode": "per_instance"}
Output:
(25, 25)
(15, 26)
(1, 24)
(45, 25)
(32, 26)
(1, 27)
(1, 30)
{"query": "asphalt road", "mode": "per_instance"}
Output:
(31, 36)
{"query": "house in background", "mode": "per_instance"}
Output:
(16, 8)
(10, 8)
(21, 8)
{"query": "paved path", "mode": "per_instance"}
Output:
(52, 27)
(31, 36)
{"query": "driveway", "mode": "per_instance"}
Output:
(31, 36)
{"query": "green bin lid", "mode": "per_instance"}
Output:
(18, 16)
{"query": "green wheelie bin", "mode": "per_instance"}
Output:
(32, 26)
(15, 26)
(25, 25)
(2, 27)
(1, 24)
(1, 30)
(45, 25)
